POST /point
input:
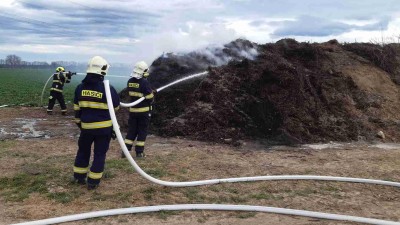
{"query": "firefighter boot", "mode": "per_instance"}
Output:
(78, 181)
(140, 155)
(92, 186)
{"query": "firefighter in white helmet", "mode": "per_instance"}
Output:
(93, 119)
(140, 114)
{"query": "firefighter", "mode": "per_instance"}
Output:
(139, 115)
(56, 91)
(93, 119)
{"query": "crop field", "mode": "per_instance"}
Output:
(24, 86)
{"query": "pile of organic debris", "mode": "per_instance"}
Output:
(287, 92)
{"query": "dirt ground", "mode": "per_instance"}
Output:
(37, 153)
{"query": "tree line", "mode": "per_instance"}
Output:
(14, 61)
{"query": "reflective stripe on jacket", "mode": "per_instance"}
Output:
(59, 79)
(90, 105)
(138, 88)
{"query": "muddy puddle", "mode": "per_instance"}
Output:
(22, 128)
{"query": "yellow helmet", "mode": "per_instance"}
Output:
(60, 69)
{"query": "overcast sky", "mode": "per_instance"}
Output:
(130, 30)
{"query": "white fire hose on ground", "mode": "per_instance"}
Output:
(216, 181)
(219, 207)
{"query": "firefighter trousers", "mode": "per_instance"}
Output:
(55, 95)
(138, 125)
(81, 166)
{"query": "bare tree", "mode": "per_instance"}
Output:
(13, 60)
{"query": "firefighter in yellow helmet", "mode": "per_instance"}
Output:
(60, 77)
(139, 116)
(93, 119)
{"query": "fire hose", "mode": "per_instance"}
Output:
(220, 207)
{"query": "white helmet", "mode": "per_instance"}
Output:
(140, 70)
(98, 65)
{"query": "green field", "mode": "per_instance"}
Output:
(24, 86)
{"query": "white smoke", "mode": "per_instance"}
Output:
(233, 51)
(188, 39)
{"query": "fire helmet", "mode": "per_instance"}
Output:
(98, 65)
(60, 69)
(140, 70)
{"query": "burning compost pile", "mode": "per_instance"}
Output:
(286, 92)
